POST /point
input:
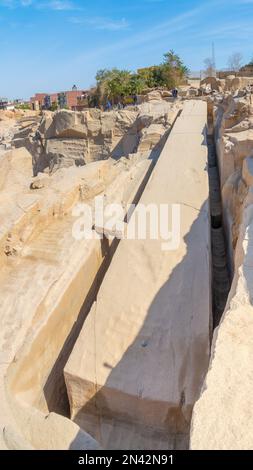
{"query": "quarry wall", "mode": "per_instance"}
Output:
(222, 417)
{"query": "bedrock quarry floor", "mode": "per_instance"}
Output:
(120, 339)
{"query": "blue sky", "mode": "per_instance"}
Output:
(48, 45)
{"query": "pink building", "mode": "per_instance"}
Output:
(68, 99)
(72, 98)
(54, 98)
(37, 101)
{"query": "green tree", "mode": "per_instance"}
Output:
(116, 84)
(113, 84)
(136, 84)
(175, 70)
(149, 75)
(172, 59)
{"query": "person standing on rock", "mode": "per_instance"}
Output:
(175, 93)
(108, 105)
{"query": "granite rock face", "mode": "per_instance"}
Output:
(222, 417)
(68, 138)
(234, 141)
(49, 276)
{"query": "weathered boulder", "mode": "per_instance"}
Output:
(212, 82)
(166, 94)
(154, 95)
(234, 132)
(150, 136)
(193, 92)
(65, 124)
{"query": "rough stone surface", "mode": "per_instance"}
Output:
(154, 95)
(68, 138)
(222, 417)
(6, 131)
(233, 84)
(49, 278)
(247, 171)
(212, 82)
(140, 360)
(234, 137)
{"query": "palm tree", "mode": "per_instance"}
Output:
(173, 61)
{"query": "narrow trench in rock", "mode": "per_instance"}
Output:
(220, 274)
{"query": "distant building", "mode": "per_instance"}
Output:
(3, 103)
(6, 104)
(47, 102)
(38, 101)
(72, 98)
(64, 99)
(51, 100)
(54, 99)
(82, 102)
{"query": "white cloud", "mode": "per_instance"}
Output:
(56, 5)
(26, 3)
(60, 5)
(171, 27)
(101, 23)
